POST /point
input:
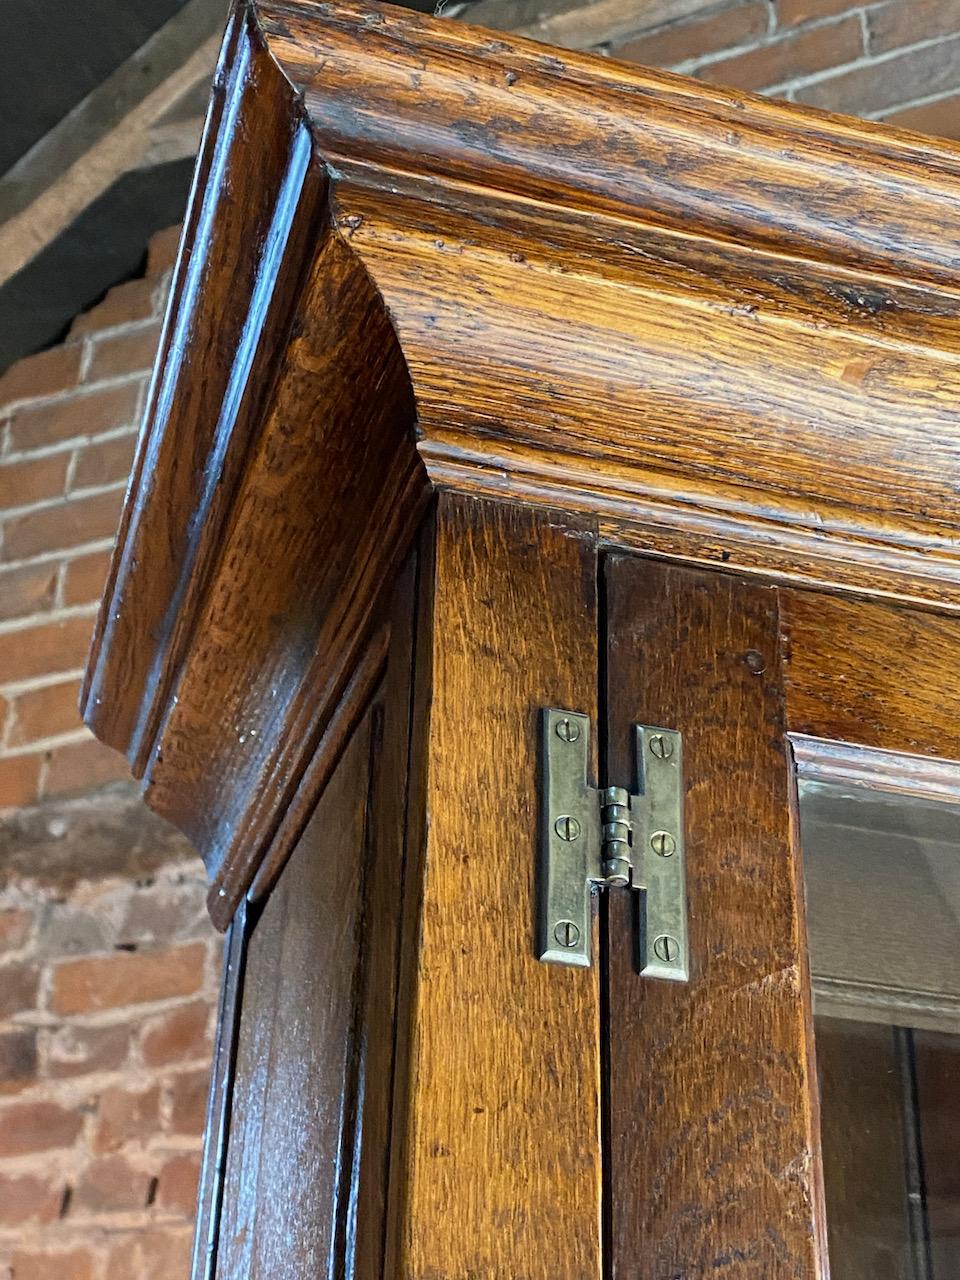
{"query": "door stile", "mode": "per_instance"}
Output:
(713, 1155)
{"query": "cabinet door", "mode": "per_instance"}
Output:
(815, 1040)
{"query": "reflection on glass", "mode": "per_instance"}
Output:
(881, 847)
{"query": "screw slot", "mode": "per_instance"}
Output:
(567, 933)
(666, 948)
(567, 828)
(568, 730)
(661, 747)
(663, 844)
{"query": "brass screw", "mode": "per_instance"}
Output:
(567, 933)
(568, 730)
(661, 747)
(567, 828)
(666, 948)
(663, 844)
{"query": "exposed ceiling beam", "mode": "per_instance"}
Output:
(117, 128)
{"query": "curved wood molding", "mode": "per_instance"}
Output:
(420, 255)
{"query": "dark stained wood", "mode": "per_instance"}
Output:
(219, 1104)
(498, 1171)
(937, 1063)
(725, 329)
(290, 1159)
(872, 673)
(713, 1150)
(865, 1160)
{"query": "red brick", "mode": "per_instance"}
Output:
(14, 928)
(43, 713)
(940, 118)
(792, 12)
(75, 1264)
(67, 524)
(22, 483)
(124, 1116)
(162, 252)
(105, 462)
(126, 303)
(44, 649)
(188, 1102)
(19, 780)
(125, 353)
(88, 413)
(37, 1126)
(108, 982)
(28, 1199)
(76, 1051)
(177, 1185)
(82, 766)
(44, 374)
(85, 577)
(110, 1184)
(27, 590)
(150, 1255)
(19, 985)
(904, 22)
(789, 57)
(18, 1059)
(920, 73)
(682, 41)
(177, 1036)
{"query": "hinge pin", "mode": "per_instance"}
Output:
(609, 839)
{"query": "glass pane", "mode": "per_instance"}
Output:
(882, 867)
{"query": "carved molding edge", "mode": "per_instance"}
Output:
(419, 255)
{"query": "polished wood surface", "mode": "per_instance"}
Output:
(713, 1145)
(872, 673)
(723, 328)
(499, 1171)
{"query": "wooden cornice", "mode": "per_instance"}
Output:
(423, 256)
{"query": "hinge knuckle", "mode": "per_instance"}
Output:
(611, 838)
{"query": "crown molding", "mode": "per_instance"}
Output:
(421, 256)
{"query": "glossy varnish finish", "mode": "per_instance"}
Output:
(713, 1149)
(498, 1173)
(725, 329)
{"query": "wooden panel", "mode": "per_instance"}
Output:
(713, 1148)
(309, 1150)
(499, 1172)
(289, 1157)
(877, 674)
(865, 1160)
(937, 1059)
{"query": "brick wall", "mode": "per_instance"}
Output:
(108, 964)
(897, 60)
(108, 987)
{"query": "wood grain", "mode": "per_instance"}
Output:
(865, 1159)
(723, 329)
(872, 673)
(713, 1150)
(765, 333)
(499, 1172)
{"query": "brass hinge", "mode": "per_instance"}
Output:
(612, 838)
